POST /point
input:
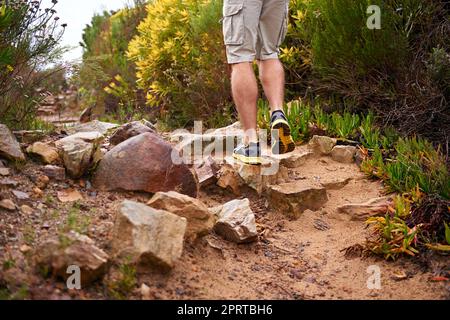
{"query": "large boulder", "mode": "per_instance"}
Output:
(236, 221)
(57, 255)
(45, 152)
(149, 237)
(130, 130)
(200, 219)
(145, 163)
(294, 198)
(9, 146)
(80, 152)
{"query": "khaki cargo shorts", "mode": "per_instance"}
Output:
(254, 29)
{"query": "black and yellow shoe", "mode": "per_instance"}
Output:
(250, 154)
(282, 142)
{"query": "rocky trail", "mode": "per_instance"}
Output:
(111, 200)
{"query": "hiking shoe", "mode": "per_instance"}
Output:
(284, 142)
(249, 154)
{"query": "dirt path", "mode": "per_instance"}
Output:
(293, 259)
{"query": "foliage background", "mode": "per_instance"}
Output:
(29, 36)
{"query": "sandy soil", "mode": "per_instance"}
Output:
(301, 259)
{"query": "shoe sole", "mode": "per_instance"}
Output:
(285, 143)
(255, 161)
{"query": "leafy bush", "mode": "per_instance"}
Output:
(29, 35)
(296, 52)
(299, 116)
(392, 237)
(181, 62)
(363, 68)
(106, 78)
(416, 163)
(344, 126)
(54, 79)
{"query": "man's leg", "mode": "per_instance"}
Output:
(272, 30)
(272, 77)
(240, 27)
(245, 94)
(273, 80)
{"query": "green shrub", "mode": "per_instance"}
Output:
(299, 116)
(366, 69)
(416, 164)
(27, 41)
(264, 115)
(439, 69)
(106, 78)
(392, 237)
(369, 133)
(344, 126)
(181, 62)
(126, 282)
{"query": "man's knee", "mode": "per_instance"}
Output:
(267, 69)
(241, 67)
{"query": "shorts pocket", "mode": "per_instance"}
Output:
(284, 26)
(233, 24)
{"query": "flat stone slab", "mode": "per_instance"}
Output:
(294, 198)
(363, 211)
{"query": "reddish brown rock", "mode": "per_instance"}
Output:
(128, 131)
(54, 172)
(145, 163)
(56, 256)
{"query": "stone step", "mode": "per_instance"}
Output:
(294, 198)
(260, 177)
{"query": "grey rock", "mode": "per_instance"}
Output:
(322, 144)
(200, 219)
(344, 154)
(9, 146)
(94, 126)
(236, 222)
(79, 152)
(149, 237)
